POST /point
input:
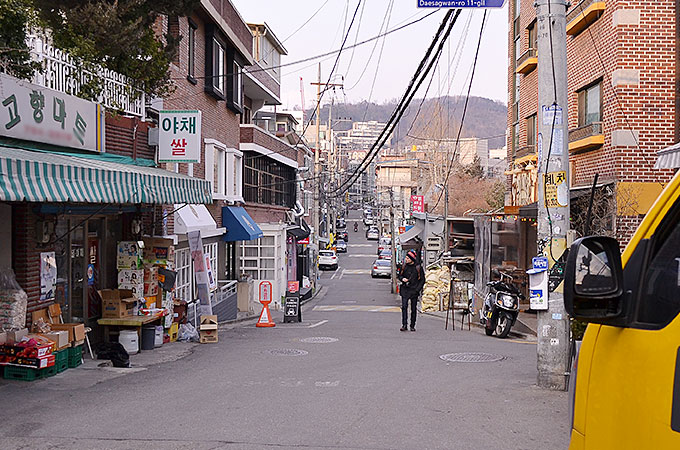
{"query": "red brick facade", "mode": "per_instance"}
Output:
(630, 50)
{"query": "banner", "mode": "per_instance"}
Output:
(417, 203)
(200, 271)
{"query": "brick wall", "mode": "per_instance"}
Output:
(258, 136)
(265, 78)
(26, 255)
(266, 213)
(128, 136)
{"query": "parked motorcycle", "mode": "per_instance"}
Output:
(356, 227)
(501, 306)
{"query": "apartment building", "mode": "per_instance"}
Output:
(622, 85)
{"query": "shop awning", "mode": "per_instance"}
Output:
(669, 158)
(411, 233)
(299, 231)
(240, 226)
(196, 217)
(41, 176)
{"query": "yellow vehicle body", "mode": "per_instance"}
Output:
(625, 378)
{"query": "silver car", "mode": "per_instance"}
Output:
(381, 268)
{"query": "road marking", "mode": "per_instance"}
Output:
(327, 383)
(317, 324)
(359, 308)
(286, 326)
(357, 272)
(334, 274)
(361, 245)
(341, 274)
(363, 255)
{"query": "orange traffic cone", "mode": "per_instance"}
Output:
(265, 319)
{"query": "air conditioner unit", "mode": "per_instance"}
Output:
(434, 243)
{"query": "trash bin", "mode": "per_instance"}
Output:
(148, 337)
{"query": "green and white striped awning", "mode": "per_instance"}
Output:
(38, 176)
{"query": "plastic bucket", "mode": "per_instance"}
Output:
(148, 337)
(158, 337)
(129, 340)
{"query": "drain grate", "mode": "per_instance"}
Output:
(471, 357)
(288, 352)
(319, 340)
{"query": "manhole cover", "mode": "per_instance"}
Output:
(288, 352)
(471, 357)
(319, 340)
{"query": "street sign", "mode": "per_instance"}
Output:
(417, 203)
(265, 291)
(179, 136)
(291, 311)
(461, 3)
(293, 286)
(539, 263)
(303, 241)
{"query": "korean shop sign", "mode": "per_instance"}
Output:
(35, 113)
(179, 136)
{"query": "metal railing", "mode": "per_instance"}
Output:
(582, 132)
(577, 9)
(525, 151)
(528, 53)
(63, 73)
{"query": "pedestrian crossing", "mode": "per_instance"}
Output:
(361, 245)
(363, 255)
(357, 271)
(354, 308)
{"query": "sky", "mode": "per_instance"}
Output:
(366, 74)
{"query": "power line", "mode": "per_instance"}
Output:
(423, 138)
(417, 80)
(462, 120)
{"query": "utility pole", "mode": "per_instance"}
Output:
(393, 284)
(553, 189)
(446, 219)
(317, 171)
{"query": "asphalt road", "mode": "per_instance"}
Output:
(370, 387)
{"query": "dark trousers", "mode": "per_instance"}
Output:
(404, 308)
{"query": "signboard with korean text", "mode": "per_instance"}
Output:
(200, 271)
(556, 189)
(179, 136)
(417, 203)
(35, 113)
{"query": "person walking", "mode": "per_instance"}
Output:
(412, 279)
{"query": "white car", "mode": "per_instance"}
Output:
(328, 258)
(372, 234)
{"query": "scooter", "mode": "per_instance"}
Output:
(501, 306)
(356, 227)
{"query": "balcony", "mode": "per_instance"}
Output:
(583, 14)
(587, 137)
(254, 138)
(524, 153)
(527, 62)
(64, 74)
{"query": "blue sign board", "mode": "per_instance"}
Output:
(460, 3)
(540, 263)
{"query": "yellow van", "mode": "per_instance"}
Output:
(627, 377)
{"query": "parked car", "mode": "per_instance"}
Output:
(341, 223)
(368, 221)
(385, 254)
(341, 246)
(381, 268)
(328, 259)
(344, 235)
(372, 234)
(384, 243)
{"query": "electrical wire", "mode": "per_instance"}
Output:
(417, 80)
(467, 98)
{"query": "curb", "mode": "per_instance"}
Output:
(513, 333)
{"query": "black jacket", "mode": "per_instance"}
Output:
(416, 280)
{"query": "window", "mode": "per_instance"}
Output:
(234, 175)
(532, 35)
(184, 282)
(267, 181)
(210, 250)
(515, 137)
(531, 129)
(518, 51)
(215, 67)
(191, 69)
(215, 166)
(659, 302)
(218, 66)
(258, 258)
(237, 80)
(589, 105)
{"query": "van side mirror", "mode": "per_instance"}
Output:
(593, 281)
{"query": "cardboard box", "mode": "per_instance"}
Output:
(129, 255)
(158, 250)
(130, 276)
(59, 337)
(137, 289)
(26, 361)
(76, 331)
(117, 303)
(208, 329)
(151, 274)
(16, 336)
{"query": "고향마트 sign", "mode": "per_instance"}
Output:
(179, 136)
(35, 113)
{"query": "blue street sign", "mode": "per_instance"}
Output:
(460, 3)
(540, 263)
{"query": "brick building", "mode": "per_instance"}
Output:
(622, 58)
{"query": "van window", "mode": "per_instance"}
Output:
(660, 294)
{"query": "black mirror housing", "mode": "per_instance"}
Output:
(593, 281)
